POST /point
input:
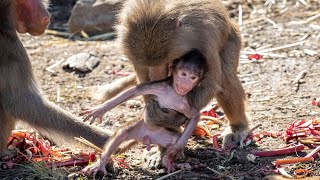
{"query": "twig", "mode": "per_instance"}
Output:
(263, 54)
(58, 93)
(313, 18)
(58, 33)
(253, 21)
(314, 74)
(263, 47)
(314, 26)
(168, 175)
(304, 37)
(251, 82)
(54, 65)
(84, 34)
(247, 75)
(300, 76)
(240, 16)
(303, 2)
(282, 47)
(272, 22)
(88, 143)
(102, 36)
(219, 173)
(283, 172)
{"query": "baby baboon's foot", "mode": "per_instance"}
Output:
(151, 159)
(233, 139)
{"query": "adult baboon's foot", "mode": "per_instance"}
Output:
(235, 138)
(152, 159)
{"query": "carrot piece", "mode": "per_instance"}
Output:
(199, 132)
(205, 129)
(281, 151)
(215, 120)
(292, 161)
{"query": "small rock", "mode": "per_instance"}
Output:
(82, 62)
(251, 157)
(94, 16)
(73, 176)
(184, 166)
(310, 52)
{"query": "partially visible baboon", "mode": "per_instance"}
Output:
(154, 33)
(20, 97)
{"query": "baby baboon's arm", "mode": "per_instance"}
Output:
(182, 141)
(99, 111)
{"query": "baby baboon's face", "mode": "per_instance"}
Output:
(184, 80)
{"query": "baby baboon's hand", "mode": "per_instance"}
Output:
(168, 162)
(175, 149)
(94, 168)
(93, 113)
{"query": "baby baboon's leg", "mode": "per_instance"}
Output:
(137, 130)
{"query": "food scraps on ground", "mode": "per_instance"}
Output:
(30, 147)
(211, 118)
(254, 57)
(316, 102)
(303, 132)
(27, 146)
(288, 150)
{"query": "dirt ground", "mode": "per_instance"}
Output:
(273, 100)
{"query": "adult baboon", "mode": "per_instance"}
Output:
(154, 33)
(20, 97)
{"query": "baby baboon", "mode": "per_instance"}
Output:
(171, 93)
(20, 97)
(154, 33)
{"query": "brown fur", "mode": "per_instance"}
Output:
(154, 33)
(20, 97)
(110, 90)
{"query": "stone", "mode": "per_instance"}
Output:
(94, 16)
(82, 62)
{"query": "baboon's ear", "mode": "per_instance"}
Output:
(178, 23)
(181, 21)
